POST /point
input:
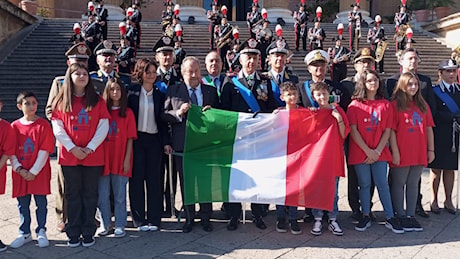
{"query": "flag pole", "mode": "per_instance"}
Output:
(171, 191)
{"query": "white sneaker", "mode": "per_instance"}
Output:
(21, 240)
(42, 239)
(144, 228)
(153, 227)
(119, 232)
(317, 226)
(103, 231)
(334, 227)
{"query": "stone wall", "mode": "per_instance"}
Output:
(448, 29)
(12, 20)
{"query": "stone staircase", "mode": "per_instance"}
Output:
(39, 57)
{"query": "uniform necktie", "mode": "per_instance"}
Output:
(215, 82)
(193, 97)
(167, 75)
(278, 79)
(250, 81)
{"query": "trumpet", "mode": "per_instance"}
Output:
(225, 39)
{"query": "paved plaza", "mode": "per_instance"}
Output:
(440, 238)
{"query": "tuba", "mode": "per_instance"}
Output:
(401, 33)
(380, 50)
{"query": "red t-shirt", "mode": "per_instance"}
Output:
(347, 130)
(410, 128)
(371, 117)
(120, 130)
(81, 126)
(8, 147)
(30, 139)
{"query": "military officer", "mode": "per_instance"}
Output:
(106, 53)
(250, 92)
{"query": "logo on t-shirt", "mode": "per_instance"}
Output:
(416, 121)
(374, 118)
(113, 129)
(27, 149)
(82, 120)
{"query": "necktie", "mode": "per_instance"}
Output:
(215, 81)
(167, 75)
(249, 80)
(278, 79)
(193, 97)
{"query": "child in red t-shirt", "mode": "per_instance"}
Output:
(7, 148)
(31, 168)
(320, 93)
(80, 123)
(412, 147)
(370, 117)
(118, 159)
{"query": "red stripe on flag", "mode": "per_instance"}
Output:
(314, 152)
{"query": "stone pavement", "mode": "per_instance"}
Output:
(440, 238)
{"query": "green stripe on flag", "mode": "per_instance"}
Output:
(207, 170)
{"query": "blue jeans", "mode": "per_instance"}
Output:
(378, 172)
(24, 212)
(318, 213)
(118, 184)
(281, 213)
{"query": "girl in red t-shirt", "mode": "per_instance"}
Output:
(7, 148)
(118, 158)
(80, 123)
(370, 117)
(412, 147)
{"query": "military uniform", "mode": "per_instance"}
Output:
(224, 30)
(300, 28)
(316, 36)
(92, 32)
(401, 18)
(339, 57)
(376, 35)
(214, 17)
(100, 77)
(179, 54)
(126, 58)
(102, 15)
(137, 19)
(354, 26)
(265, 38)
(252, 18)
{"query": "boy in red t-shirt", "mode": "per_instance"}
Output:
(31, 168)
(320, 93)
(7, 146)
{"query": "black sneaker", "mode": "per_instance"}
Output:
(73, 242)
(417, 227)
(281, 225)
(295, 229)
(2, 246)
(363, 224)
(394, 225)
(406, 224)
(88, 241)
(308, 218)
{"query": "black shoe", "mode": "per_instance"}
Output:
(297, 49)
(357, 216)
(207, 226)
(281, 225)
(406, 224)
(372, 216)
(2, 246)
(188, 226)
(233, 224)
(308, 218)
(421, 212)
(363, 224)
(450, 211)
(166, 214)
(435, 211)
(295, 229)
(260, 223)
(394, 225)
(88, 241)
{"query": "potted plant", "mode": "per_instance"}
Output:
(421, 9)
(442, 7)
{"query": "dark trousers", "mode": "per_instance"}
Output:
(81, 193)
(104, 31)
(236, 209)
(61, 214)
(205, 208)
(298, 36)
(166, 187)
(339, 72)
(223, 56)
(146, 178)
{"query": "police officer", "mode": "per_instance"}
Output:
(258, 98)
(106, 54)
(339, 56)
(102, 15)
(354, 26)
(300, 26)
(78, 53)
(279, 73)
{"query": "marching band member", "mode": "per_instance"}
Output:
(300, 26)
(102, 15)
(224, 37)
(401, 21)
(253, 18)
(77, 37)
(264, 37)
(214, 18)
(339, 56)
(375, 36)
(125, 60)
(354, 26)
(316, 34)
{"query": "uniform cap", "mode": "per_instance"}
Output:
(76, 25)
(364, 53)
(378, 18)
(447, 65)
(249, 46)
(279, 46)
(105, 47)
(78, 51)
(165, 44)
(302, 4)
(255, 3)
(316, 56)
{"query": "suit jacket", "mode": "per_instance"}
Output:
(175, 97)
(174, 77)
(334, 89)
(158, 101)
(425, 85)
(232, 100)
(221, 81)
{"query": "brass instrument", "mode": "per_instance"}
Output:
(401, 33)
(457, 52)
(380, 50)
(222, 41)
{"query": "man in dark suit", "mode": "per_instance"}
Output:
(178, 101)
(258, 97)
(409, 60)
(214, 77)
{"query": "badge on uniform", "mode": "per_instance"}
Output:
(262, 91)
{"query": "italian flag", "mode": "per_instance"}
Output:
(289, 158)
